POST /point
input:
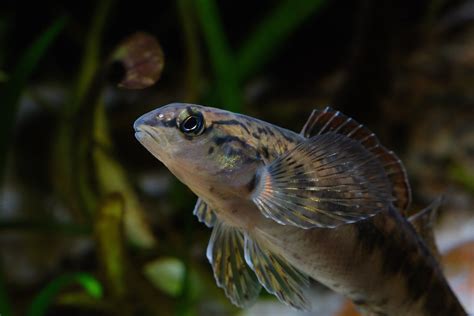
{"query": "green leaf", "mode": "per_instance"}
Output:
(112, 178)
(166, 274)
(12, 90)
(71, 175)
(191, 47)
(45, 297)
(270, 34)
(90, 56)
(230, 69)
(108, 229)
(463, 175)
(222, 60)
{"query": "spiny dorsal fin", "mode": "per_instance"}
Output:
(225, 252)
(423, 222)
(329, 120)
(325, 181)
(277, 276)
(204, 213)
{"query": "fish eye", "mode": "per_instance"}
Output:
(192, 123)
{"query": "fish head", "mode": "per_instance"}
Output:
(203, 147)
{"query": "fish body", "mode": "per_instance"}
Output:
(327, 204)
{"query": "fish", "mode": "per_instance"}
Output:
(329, 205)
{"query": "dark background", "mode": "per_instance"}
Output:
(73, 173)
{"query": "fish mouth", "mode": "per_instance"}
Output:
(140, 135)
(141, 132)
(144, 134)
(148, 136)
(142, 128)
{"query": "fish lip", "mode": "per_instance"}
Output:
(140, 129)
(140, 134)
(146, 134)
(143, 132)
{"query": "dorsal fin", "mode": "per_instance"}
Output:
(329, 120)
(423, 222)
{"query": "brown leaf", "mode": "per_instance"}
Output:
(137, 62)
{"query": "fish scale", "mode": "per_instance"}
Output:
(359, 262)
(327, 204)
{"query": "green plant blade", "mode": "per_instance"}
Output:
(271, 33)
(44, 298)
(222, 60)
(167, 274)
(11, 92)
(193, 54)
(90, 56)
(108, 230)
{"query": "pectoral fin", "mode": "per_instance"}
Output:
(326, 181)
(226, 255)
(277, 276)
(423, 221)
(204, 213)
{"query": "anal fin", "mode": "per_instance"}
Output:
(277, 276)
(225, 252)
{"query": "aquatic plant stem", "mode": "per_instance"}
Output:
(193, 55)
(70, 154)
(270, 34)
(91, 58)
(186, 308)
(222, 60)
(12, 90)
(45, 297)
(231, 70)
(108, 230)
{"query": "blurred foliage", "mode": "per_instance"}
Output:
(80, 197)
(108, 227)
(11, 91)
(230, 68)
(10, 94)
(43, 299)
(463, 175)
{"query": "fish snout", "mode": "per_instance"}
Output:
(143, 126)
(147, 119)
